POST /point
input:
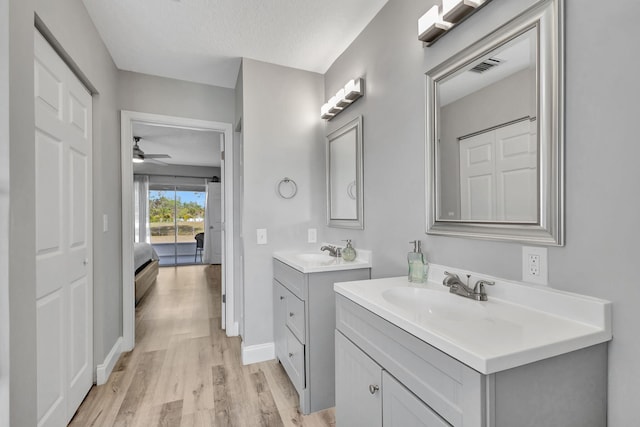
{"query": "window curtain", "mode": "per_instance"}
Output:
(206, 252)
(142, 229)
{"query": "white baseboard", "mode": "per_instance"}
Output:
(258, 353)
(104, 370)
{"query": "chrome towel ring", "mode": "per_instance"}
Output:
(287, 188)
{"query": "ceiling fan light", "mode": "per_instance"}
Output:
(138, 158)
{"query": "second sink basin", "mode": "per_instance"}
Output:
(321, 259)
(424, 303)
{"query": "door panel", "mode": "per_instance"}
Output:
(403, 408)
(358, 402)
(50, 312)
(64, 273)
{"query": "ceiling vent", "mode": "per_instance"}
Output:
(486, 65)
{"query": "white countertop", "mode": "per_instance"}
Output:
(315, 262)
(519, 324)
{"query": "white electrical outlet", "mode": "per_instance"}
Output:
(312, 235)
(261, 236)
(534, 265)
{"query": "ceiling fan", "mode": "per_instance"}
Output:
(139, 156)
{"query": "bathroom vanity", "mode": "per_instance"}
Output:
(304, 320)
(421, 356)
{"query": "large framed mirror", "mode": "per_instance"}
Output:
(344, 176)
(495, 134)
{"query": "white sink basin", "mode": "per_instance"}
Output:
(321, 259)
(316, 262)
(422, 303)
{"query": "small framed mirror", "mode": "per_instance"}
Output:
(344, 176)
(495, 134)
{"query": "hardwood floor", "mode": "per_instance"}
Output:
(184, 370)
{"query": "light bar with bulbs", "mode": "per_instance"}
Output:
(438, 20)
(353, 90)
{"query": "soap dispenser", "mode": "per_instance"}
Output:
(418, 266)
(348, 253)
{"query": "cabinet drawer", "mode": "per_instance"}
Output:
(291, 278)
(293, 362)
(295, 316)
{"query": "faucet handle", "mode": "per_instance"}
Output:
(449, 277)
(479, 287)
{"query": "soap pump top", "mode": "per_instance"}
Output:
(348, 253)
(418, 266)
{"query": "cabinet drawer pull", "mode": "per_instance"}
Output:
(281, 297)
(290, 354)
(291, 314)
(373, 388)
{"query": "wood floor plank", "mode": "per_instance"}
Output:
(185, 371)
(171, 414)
(269, 416)
(145, 377)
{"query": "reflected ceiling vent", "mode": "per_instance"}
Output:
(486, 65)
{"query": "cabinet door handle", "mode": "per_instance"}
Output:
(291, 314)
(281, 297)
(290, 354)
(373, 388)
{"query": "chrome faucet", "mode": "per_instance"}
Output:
(333, 251)
(455, 285)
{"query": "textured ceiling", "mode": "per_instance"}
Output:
(185, 146)
(203, 40)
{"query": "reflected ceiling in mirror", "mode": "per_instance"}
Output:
(494, 134)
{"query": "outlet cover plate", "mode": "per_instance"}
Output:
(535, 265)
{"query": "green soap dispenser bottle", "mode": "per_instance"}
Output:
(418, 265)
(348, 253)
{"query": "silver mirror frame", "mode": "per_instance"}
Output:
(547, 16)
(357, 223)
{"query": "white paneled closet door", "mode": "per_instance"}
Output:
(64, 258)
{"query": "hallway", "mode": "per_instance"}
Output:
(184, 370)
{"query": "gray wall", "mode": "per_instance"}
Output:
(66, 20)
(601, 169)
(278, 142)
(159, 95)
(507, 100)
(4, 212)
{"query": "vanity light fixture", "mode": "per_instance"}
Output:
(438, 20)
(353, 90)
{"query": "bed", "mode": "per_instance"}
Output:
(145, 261)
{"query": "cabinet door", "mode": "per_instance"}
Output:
(403, 408)
(279, 320)
(358, 383)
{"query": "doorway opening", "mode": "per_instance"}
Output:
(183, 222)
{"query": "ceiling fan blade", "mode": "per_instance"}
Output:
(155, 162)
(157, 156)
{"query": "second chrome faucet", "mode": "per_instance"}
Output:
(455, 285)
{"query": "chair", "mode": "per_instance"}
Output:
(199, 246)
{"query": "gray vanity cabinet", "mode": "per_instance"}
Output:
(304, 324)
(388, 377)
(366, 395)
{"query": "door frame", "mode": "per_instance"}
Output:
(126, 138)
